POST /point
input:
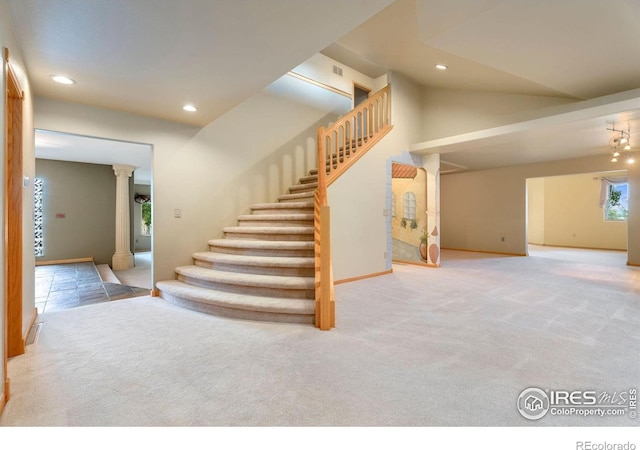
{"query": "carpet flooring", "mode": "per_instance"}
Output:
(422, 347)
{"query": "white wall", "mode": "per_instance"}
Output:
(211, 174)
(478, 208)
(7, 40)
(358, 199)
(449, 112)
(320, 68)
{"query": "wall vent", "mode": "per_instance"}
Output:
(337, 70)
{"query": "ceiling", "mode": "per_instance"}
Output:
(70, 147)
(568, 48)
(152, 56)
(574, 49)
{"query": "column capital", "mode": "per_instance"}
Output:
(123, 170)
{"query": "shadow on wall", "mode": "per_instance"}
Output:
(272, 176)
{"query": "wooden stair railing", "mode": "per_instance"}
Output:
(339, 147)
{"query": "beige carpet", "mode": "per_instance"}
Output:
(140, 274)
(420, 347)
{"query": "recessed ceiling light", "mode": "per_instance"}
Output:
(190, 108)
(441, 67)
(62, 79)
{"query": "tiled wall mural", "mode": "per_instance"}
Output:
(38, 216)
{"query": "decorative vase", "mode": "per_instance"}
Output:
(434, 253)
(423, 251)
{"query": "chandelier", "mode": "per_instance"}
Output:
(620, 144)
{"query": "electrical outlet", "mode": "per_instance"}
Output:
(177, 213)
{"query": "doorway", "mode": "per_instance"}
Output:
(13, 215)
(568, 214)
(360, 94)
(79, 176)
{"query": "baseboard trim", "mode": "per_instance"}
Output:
(154, 293)
(64, 261)
(416, 263)
(483, 251)
(632, 264)
(363, 277)
(34, 317)
(5, 395)
(582, 248)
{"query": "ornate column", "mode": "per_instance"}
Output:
(122, 258)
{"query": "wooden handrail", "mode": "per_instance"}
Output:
(351, 136)
(339, 147)
(325, 300)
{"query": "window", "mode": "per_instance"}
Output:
(146, 218)
(616, 207)
(409, 206)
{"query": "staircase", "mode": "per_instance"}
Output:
(275, 265)
(264, 267)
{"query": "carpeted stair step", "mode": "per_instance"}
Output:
(309, 179)
(313, 172)
(239, 306)
(298, 197)
(261, 265)
(249, 284)
(262, 248)
(304, 187)
(275, 220)
(270, 233)
(283, 208)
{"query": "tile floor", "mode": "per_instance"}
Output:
(65, 286)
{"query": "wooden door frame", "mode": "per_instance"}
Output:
(13, 338)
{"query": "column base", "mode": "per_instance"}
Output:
(122, 261)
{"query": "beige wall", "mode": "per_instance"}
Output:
(358, 199)
(449, 112)
(535, 210)
(251, 154)
(633, 222)
(7, 40)
(86, 195)
(571, 214)
(479, 208)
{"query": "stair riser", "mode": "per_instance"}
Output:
(258, 212)
(261, 252)
(309, 179)
(303, 188)
(259, 270)
(269, 237)
(275, 223)
(250, 290)
(237, 313)
(287, 198)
